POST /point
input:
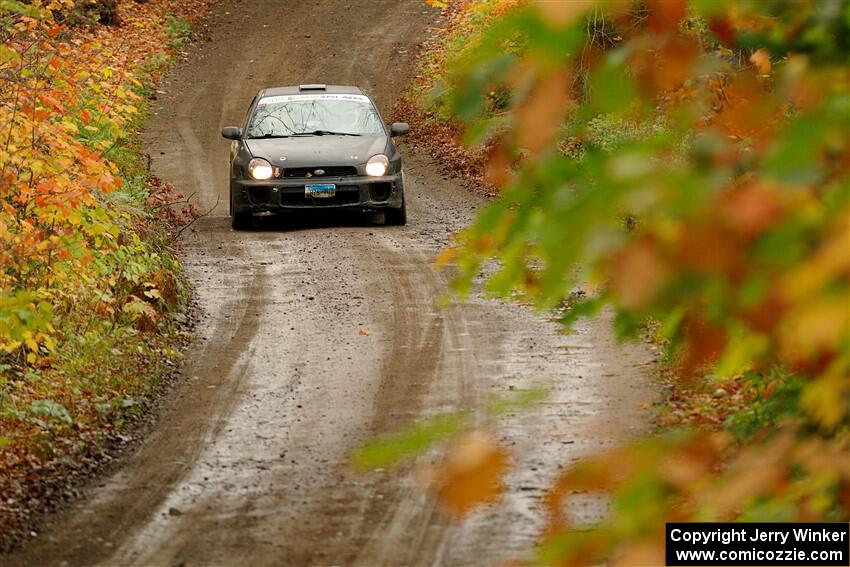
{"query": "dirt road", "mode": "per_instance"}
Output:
(247, 463)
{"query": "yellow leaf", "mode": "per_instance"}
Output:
(10, 346)
(8, 54)
(823, 400)
(70, 127)
(445, 257)
(816, 326)
(828, 263)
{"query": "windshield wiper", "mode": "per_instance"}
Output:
(267, 136)
(297, 134)
(330, 133)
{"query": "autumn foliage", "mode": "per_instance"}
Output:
(88, 282)
(688, 165)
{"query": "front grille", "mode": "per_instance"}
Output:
(329, 171)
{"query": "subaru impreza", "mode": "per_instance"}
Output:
(315, 147)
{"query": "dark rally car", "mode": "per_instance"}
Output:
(314, 147)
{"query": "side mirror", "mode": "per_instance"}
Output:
(399, 129)
(231, 132)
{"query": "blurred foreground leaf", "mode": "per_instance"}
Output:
(418, 438)
(471, 473)
(689, 162)
(410, 442)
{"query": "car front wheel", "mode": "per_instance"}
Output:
(396, 217)
(241, 221)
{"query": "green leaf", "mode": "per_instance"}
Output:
(582, 309)
(611, 89)
(51, 409)
(411, 442)
(7, 54)
(518, 400)
(417, 438)
(16, 7)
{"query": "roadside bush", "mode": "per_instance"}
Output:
(90, 288)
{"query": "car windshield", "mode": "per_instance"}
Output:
(293, 115)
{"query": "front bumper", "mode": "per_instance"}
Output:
(355, 193)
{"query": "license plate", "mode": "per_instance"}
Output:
(320, 190)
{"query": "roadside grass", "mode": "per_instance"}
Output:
(179, 32)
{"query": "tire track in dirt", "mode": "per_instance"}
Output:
(410, 516)
(148, 478)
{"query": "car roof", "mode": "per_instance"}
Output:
(305, 89)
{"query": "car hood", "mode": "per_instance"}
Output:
(317, 150)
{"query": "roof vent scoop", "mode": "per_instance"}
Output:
(312, 87)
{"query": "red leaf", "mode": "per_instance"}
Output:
(723, 30)
(665, 14)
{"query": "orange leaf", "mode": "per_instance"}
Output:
(498, 169)
(445, 257)
(637, 274)
(674, 62)
(704, 341)
(540, 115)
(471, 473)
(641, 553)
(665, 14)
(750, 209)
(562, 13)
(761, 60)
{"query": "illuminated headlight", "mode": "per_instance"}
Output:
(260, 169)
(377, 165)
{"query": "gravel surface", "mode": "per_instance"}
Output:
(318, 333)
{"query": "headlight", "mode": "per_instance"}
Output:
(260, 169)
(377, 165)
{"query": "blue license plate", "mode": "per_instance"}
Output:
(320, 190)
